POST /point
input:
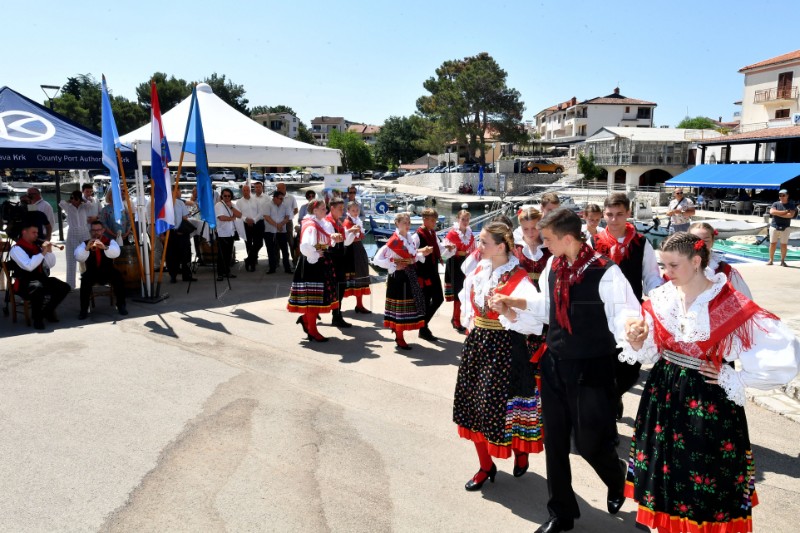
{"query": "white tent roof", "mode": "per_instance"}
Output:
(232, 138)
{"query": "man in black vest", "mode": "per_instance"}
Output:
(586, 303)
(428, 271)
(32, 262)
(98, 254)
(635, 256)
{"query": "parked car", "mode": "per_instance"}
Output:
(188, 176)
(254, 176)
(536, 166)
(367, 174)
(316, 177)
(223, 175)
(389, 176)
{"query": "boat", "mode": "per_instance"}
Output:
(658, 228)
(753, 248)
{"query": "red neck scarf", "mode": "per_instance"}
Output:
(30, 248)
(337, 226)
(566, 276)
(312, 221)
(609, 246)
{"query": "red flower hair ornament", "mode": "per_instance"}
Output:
(698, 245)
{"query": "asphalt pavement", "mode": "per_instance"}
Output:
(215, 414)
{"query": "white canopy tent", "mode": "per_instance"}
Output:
(232, 138)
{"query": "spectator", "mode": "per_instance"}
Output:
(782, 211)
(680, 211)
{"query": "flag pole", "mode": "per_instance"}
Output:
(130, 215)
(175, 191)
(152, 233)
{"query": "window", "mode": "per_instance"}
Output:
(781, 113)
(627, 109)
(643, 112)
(785, 85)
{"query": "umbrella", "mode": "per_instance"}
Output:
(480, 181)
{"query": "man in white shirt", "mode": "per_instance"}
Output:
(277, 220)
(92, 206)
(249, 205)
(43, 207)
(291, 205)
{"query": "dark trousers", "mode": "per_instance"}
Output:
(434, 297)
(224, 255)
(626, 376)
(37, 290)
(179, 256)
(253, 242)
(277, 247)
(578, 398)
(90, 278)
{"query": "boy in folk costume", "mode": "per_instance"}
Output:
(634, 255)
(313, 288)
(428, 269)
(405, 302)
(461, 237)
(357, 262)
(337, 253)
(587, 301)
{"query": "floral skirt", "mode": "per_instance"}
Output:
(453, 278)
(691, 467)
(313, 287)
(405, 306)
(497, 393)
(357, 275)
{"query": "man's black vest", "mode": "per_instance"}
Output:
(106, 264)
(429, 269)
(587, 317)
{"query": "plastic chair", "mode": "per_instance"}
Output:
(714, 205)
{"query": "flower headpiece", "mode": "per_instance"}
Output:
(698, 245)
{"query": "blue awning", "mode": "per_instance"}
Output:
(750, 176)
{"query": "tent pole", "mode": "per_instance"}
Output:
(146, 249)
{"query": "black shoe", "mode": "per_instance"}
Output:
(362, 310)
(270, 271)
(615, 502)
(458, 327)
(231, 276)
(173, 280)
(123, 311)
(404, 346)
(38, 324)
(472, 486)
(303, 324)
(83, 315)
(425, 333)
(519, 471)
(288, 270)
(620, 408)
(555, 524)
(189, 279)
(338, 322)
(220, 278)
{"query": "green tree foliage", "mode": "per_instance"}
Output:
(468, 97)
(80, 102)
(356, 154)
(230, 92)
(304, 135)
(587, 166)
(171, 91)
(400, 139)
(697, 123)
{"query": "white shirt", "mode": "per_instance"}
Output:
(82, 254)
(291, 203)
(619, 302)
(225, 228)
(445, 252)
(180, 209)
(385, 258)
(47, 209)
(482, 280)
(772, 361)
(736, 279)
(684, 203)
(76, 220)
(311, 237)
(250, 208)
(651, 274)
(30, 264)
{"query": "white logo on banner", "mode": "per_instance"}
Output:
(16, 126)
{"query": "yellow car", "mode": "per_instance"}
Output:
(537, 166)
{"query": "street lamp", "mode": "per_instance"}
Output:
(47, 90)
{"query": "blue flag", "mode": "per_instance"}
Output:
(110, 145)
(480, 181)
(194, 142)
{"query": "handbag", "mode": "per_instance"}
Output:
(185, 227)
(235, 235)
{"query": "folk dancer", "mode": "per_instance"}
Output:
(313, 288)
(496, 403)
(460, 236)
(337, 253)
(405, 302)
(691, 464)
(428, 269)
(357, 275)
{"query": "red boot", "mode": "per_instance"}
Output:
(313, 332)
(456, 321)
(401, 342)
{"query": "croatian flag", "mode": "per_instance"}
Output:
(159, 169)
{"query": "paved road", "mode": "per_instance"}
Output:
(198, 414)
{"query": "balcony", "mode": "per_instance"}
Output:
(775, 94)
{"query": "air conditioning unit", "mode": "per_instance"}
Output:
(796, 119)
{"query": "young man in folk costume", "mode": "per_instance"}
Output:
(587, 301)
(405, 302)
(428, 270)
(337, 253)
(313, 288)
(461, 237)
(634, 255)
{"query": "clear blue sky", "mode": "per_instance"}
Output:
(366, 61)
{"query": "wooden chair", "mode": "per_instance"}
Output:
(101, 291)
(15, 299)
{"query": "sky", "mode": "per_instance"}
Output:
(366, 61)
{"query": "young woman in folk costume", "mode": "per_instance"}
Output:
(716, 263)
(405, 304)
(691, 465)
(461, 237)
(357, 275)
(313, 288)
(496, 397)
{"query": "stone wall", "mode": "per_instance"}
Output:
(451, 181)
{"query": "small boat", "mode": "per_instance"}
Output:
(753, 248)
(659, 228)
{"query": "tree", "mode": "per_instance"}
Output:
(171, 91)
(304, 135)
(697, 123)
(399, 140)
(231, 93)
(587, 166)
(356, 155)
(80, 102)
(468, 98)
